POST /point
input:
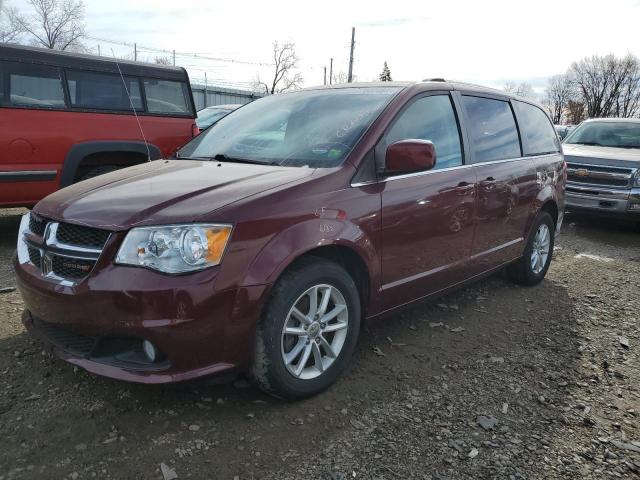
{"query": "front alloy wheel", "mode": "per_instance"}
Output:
(309, 330)
(315, 331)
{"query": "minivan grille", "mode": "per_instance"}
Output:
(69, 252)
(37, 225)
(82, 236)
(34, 255)
(71, 267)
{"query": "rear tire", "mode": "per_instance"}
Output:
(532, 267)
(300, 349)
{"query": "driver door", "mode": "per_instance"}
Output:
(427, 217)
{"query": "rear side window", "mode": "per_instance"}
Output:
(431, 118)
(538, 135)
(103, 91)
(165, 96)
(36, 86)
(494, 135)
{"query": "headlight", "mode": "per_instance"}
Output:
(175, 248)
(636, 180)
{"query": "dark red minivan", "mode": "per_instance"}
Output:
(261, 247)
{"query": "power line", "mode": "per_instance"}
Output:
(179, 54)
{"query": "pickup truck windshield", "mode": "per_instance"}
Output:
(606, 134)
(316, 128)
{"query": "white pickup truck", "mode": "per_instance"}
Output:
(603, 167)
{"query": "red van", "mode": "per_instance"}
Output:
(67, 117)
(268, 238)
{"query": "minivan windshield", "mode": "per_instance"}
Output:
(314, 128)
(209, 116)
(606, 134)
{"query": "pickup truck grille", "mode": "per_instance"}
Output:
(601, 175)
(63, 251)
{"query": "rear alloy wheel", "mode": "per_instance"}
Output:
(533, 266)
(540, 250)
(308, 331)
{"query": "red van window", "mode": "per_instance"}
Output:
(166, 96)
(103, 91)
(34, 86)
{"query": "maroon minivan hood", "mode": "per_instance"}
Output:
(162, 192)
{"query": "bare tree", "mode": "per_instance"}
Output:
(10, 31)
(341, 77)
(285, 62)
(607, 85)
(166, 61)
(523, 90)
(557, 95)
(628, 102)
(575, 112)
(55, 24)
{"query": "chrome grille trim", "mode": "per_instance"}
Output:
(55, 258)
(600, 175)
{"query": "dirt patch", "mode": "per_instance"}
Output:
(494, 381)
(9, 223)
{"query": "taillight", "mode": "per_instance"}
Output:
(195, 130)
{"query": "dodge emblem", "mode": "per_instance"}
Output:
(46, 264)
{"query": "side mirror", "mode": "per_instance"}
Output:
(407, 156)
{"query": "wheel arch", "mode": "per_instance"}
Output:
(350, 260)
(348, 246)
(81, 151)
(551, 207)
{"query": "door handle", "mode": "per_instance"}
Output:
(488, 183)
(463, 187)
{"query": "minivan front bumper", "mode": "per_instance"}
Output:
(623, 203)
(100, 324)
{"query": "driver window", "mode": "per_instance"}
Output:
(431, 118)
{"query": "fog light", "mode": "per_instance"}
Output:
(150, 351)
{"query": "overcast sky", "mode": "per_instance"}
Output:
(488, 41)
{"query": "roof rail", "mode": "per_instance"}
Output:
(437, 79)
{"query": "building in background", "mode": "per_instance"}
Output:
(216, 95)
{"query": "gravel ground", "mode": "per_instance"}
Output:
(494, 381)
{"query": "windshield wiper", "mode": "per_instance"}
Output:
(589, 143)
(221, 157)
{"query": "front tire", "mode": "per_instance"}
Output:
(532, 267)
(309, 330)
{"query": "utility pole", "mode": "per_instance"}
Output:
(98, 49)
(325, 74)
(135, 52)
(205, 90)
(353, 43)
(331, 72)
(174, 58)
